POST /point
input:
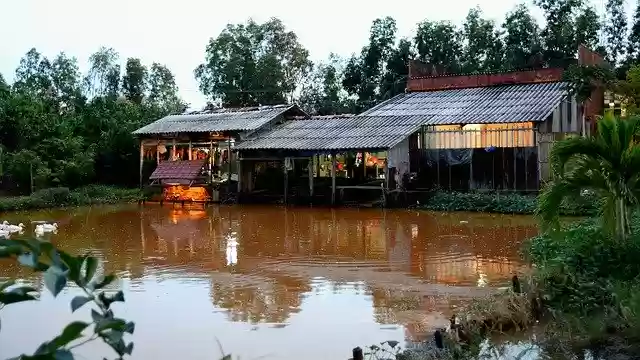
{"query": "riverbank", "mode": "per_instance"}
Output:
(506, 203)
(64, 197)
(584, 287)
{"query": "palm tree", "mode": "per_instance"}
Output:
(607, 164)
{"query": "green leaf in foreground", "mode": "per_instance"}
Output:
(70, 333)
(55, 280)
(91, 265)
(78, 302)
(16, 295)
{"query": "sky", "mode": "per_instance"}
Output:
(175, 33)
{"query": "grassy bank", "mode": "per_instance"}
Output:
(504, 203)
(63, 197)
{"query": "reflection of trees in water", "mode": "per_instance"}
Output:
(253, 304)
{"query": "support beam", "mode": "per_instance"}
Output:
(240, 175)
(158, 153)
(386, 180)
(173, 150)
(310, 168)
(190, 151)
(333, 178)
(286, 180)
(211, 161)
(141, 161)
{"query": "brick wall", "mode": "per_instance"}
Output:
(430, 83)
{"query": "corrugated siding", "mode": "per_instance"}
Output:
(488, 105)
(217, 120)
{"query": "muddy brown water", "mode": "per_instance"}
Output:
(306, 283)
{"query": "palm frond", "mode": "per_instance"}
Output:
(565, 150)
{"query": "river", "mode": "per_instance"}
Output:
(305, 282)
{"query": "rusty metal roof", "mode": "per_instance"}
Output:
(178, 170)
(223, 119)
(483, 105)
(335, 133)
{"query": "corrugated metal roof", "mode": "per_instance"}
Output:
(335, 133)
(178, 170)
(226, 119)
(484, 105)
(390, 122)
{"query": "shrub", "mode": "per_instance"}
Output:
(63, 197)
(510, 203)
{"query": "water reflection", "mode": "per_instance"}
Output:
(316, 272)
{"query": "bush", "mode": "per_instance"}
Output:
(505, 203)
(63, 197)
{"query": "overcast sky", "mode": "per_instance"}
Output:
(175, 33)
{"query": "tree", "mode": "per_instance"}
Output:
(633, 43)
(59, 269)
(588, 30)
(439, 43)
(559, 34)
(323, 94)
(163, 91)
(616, 31)
(394, 80)
(522, 38)
(134, 82)
(607, 164)
(103, 78)
(251, 64)
(363, 74)
(483, 49)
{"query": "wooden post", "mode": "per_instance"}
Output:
(286, 180)
(190, 150)
(240, 174)
(310, 177)
(141, 160)
(229, 165)
(358, 354)
(173, 150)
(158, 152)
(386, 180)
(211, 160)
(333, 178)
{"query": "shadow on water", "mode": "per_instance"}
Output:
(303, 276)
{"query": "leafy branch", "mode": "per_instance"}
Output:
(59, 269)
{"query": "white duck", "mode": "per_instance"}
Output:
(39, 231)
(15, 228)
(50, 227)
(4, 225)
(4, 233)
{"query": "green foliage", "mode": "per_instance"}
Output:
(59, 269)
(253, 64)
(616, 31)
(505, 203)
(606, 164)
(58, 128)
(63, 197)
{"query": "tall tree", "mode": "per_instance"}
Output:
(251, 64)
(483, 49)
(522, 38)
(103, 78)
(134, 81)
(616, 30)
(33, 75)
(587, 30)
(323, 94)
(559, 33)
(363, 74)
(65, 80)
(163, 91)
(394, 80)
(439, 43)
(633, 44)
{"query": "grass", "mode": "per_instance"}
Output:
(64, 197)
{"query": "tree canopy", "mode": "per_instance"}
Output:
(61, 127)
